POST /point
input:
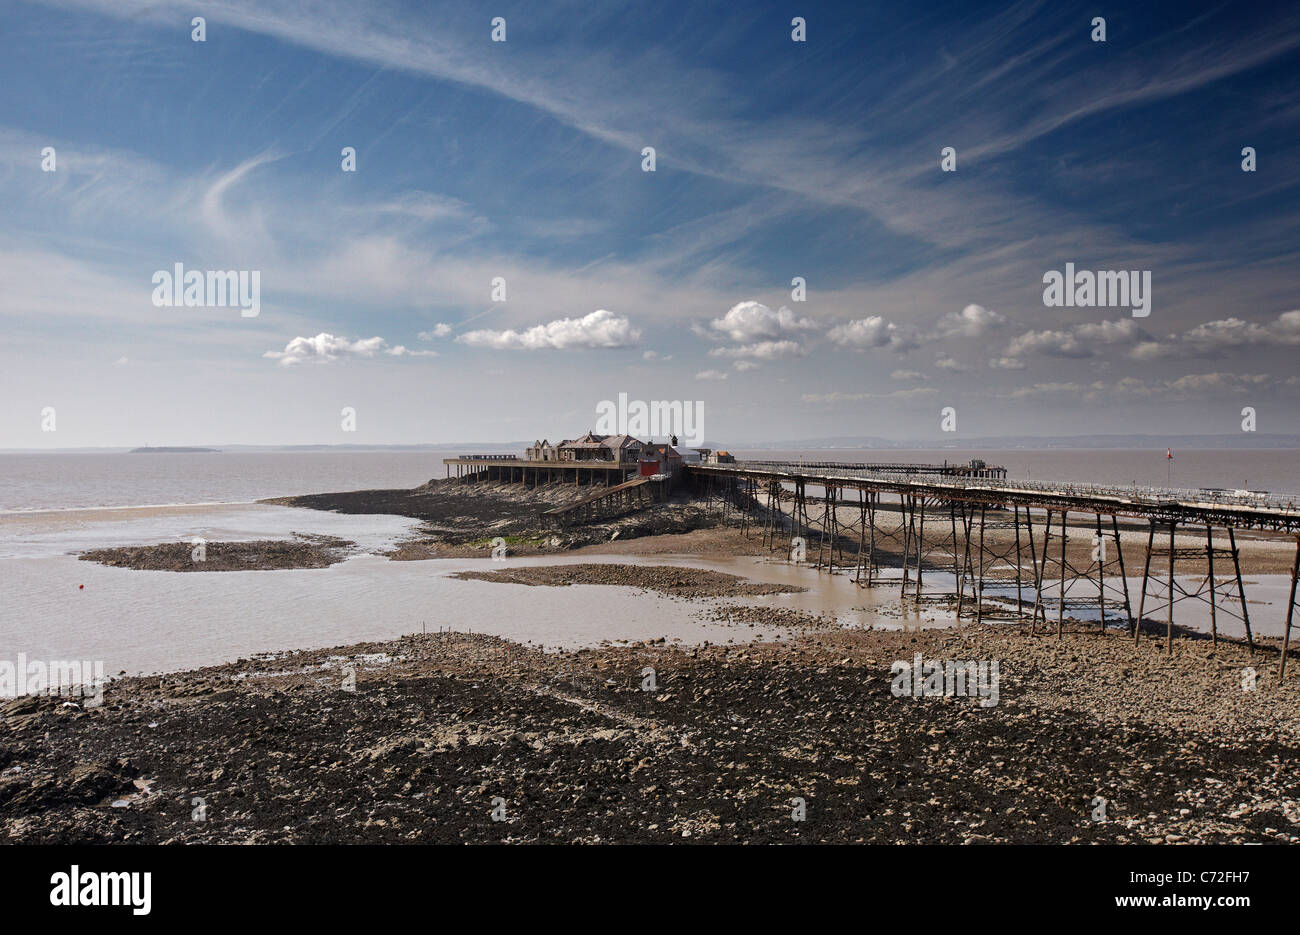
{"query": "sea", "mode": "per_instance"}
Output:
(55, 505)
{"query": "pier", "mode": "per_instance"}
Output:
(504, 468)
(879, 516)
(970, 521)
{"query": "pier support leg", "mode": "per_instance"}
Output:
(1033, 568)
(1209, 557)
(957, 570)
(1040, 574)
(920, 551)
(826, 518)
(1101, 574)
(1123, 577)
(1060, 607)
(862, 534)
(907, 540)
(1020, 609)
(1146, 575)
(979, 582)
(1290, 613)
(1169, 613)
(1241, 591)
(872, 501)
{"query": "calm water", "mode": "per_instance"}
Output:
(157, 621)
(53, 606)
(63, 481)
(1273, 469)
(60, 481)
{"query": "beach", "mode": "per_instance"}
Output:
(659, 676)
(450, 737)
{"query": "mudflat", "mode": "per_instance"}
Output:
(302, 551)
(669, 580)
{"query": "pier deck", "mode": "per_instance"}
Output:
(506, 469)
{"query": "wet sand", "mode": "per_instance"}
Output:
(668, 580)
(462, 520)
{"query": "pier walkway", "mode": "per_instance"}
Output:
(607, 499)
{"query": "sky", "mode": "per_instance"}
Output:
(494, 260)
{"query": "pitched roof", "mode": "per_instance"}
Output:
(590, 440)
(620, 441)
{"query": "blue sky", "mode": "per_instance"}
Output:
(522, 160)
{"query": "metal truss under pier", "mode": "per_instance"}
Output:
(988, 532)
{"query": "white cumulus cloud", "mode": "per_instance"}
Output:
(325, 347)
(754, 321)
(1048, 344)
(763, 350)
(440, 330)
(971, 322)
(599, 330)
(871, 332)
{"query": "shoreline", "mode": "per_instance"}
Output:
(468, 521)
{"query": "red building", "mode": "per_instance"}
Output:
(660, 458)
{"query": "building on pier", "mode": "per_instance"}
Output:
(661, 458)
(620, 449)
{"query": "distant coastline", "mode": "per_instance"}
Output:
(148, 451)
(1238, 441)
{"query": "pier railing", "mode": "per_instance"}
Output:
(1282, 505)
